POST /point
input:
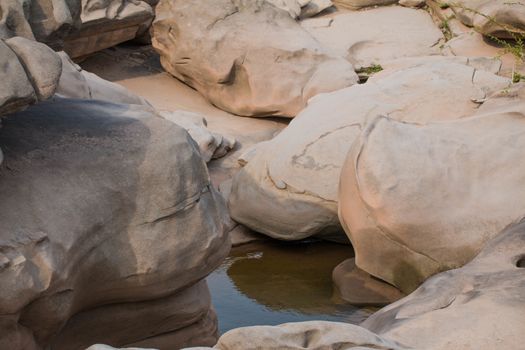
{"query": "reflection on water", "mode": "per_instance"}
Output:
(274, 282)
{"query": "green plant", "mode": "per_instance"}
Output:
(371, 69)
(445, 28)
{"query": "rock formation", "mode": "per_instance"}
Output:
(295, 176)
(396, 32)
(97, 202)
(246, 57)
(497, 18)
(430, 203)
(302, 8)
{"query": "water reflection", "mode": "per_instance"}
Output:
(274, 282)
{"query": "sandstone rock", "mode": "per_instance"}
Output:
(498, 18)
(29, 71)
(416, 200)
(412, 3)
(78, 83)
(295, 176)
(359, 288)
(107, 24)
(305, 335)
(377, 35)
(245, 57)
(13, 21)
(211, 145)
(479, 306)
(101, 205)
(302, 8)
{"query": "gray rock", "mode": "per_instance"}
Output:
(101, 204)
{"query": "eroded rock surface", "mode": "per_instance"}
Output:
(246, 57)
(101, 204)
(497, 18)
(295, 176)
(430, 203)
(302, 8)
(377, 35)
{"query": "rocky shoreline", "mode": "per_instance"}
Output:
(140, 140)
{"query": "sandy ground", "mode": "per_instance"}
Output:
(138, 69)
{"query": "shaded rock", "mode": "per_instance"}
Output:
(377, 35)
(107, 24)
(30, 72)
(479, 306)
(359, 4)
(498, 18)
(101, 204)
(412, 3)
(242, 235)
(78, 83)
(246, 57)
(295, 176)
(359, 288)
(416, 200)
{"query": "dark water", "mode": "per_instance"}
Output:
(273, 283)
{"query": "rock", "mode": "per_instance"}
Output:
(108, 24)
(246, 57)
(359, 288)
(101, 204)
(242, 235)
(305, 335)
(396, 32)
(13, 21)
(295, 176)
(78, 83)
(359, 4)
(412, 3)
(30, 72)
(302, 8)
(496, 18)
(479, 306)
(211, 145)
(417, 200)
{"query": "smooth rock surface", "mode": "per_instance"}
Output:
(295, 175)
(377, 35)
(101, 205)
(302, 8)
(497, 18)
(359, 4)
(479, 306)
(246, 57)
(430, 203)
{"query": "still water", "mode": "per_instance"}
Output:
(274, 282)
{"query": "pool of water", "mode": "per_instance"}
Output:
(274, 282)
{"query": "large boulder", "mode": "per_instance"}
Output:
(302, 8)
(246, 57)
(108, 23)
(294, 177)
(479, 306)
(372, 37)
(419, 199)
(108, 223)
(494, 18)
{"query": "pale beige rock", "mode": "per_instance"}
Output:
(412, 3)
(479, 306)
(302, 8)
(498, 18)
(246, 57)
(295, 176)
(304, 335)
(101, 206)
(377, 35)
(211, 145)
(416, 200)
